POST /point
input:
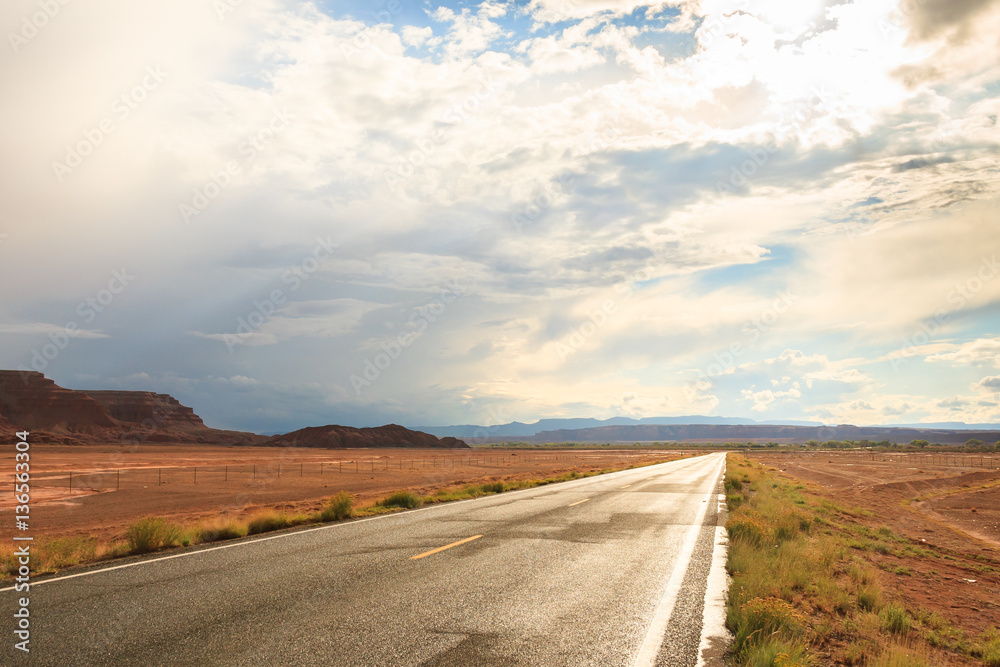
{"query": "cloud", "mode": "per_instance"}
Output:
(982, 352)
(685, 162)
(933, 17)
(988, 384)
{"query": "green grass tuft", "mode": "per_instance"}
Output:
(895, 619)
(338, 508)
(268, 522)
(150, 534)
(404, 499)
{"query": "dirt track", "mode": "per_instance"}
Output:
(160, 480)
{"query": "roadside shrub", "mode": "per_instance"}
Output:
(8, 562)
(62, 552)
(991, 649)
(339, 507)
(869, 598)
(747, 527)
(895, 619)
(404, 499)
(899, 656)
(225, 530)
(776, 653)
(493, 487)
(265, 523)
(761, 619)
(150, 534)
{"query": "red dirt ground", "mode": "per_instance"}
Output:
(160, 480)
(939, 508)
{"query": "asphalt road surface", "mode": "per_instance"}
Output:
(607, 570)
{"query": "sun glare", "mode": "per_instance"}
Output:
(789, 15)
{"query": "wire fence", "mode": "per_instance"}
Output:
(273, 472)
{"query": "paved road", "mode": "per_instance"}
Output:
(597, 571)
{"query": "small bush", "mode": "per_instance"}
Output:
(150, 534)
(493, 487)
(63, 552)
(339, 507)
(895, 619)
(404, 499)
(8, 562)
(776, 653)
(225, 530)
(899, 656)
(762, 619)
(265, 523)
(869, 598)
(991, 649)
(747, 527)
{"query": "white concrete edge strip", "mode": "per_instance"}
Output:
(342, 524)
(714, 634)
(650, 647)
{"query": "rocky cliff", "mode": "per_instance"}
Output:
(149, 409)
(346, 437)
(30, 401)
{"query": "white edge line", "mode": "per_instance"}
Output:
(650, 647)
(506, 494)
(715, 637)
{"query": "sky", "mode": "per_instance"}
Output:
(291, 213)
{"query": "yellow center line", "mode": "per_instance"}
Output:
(578, 502)
(626, 486)
(447, 546)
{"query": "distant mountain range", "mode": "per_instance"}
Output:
(712, 429)
(522, 430)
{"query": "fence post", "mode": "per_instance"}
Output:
(255, 471)
(227, 474)
(118, 480)
(159, 476)
(300, 469)
(70, 480)
(196, 474)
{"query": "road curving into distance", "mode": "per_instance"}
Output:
(606, 570)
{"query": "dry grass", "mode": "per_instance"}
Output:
(801, 576)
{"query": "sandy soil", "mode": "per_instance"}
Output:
(939, 507)
(161, 480)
